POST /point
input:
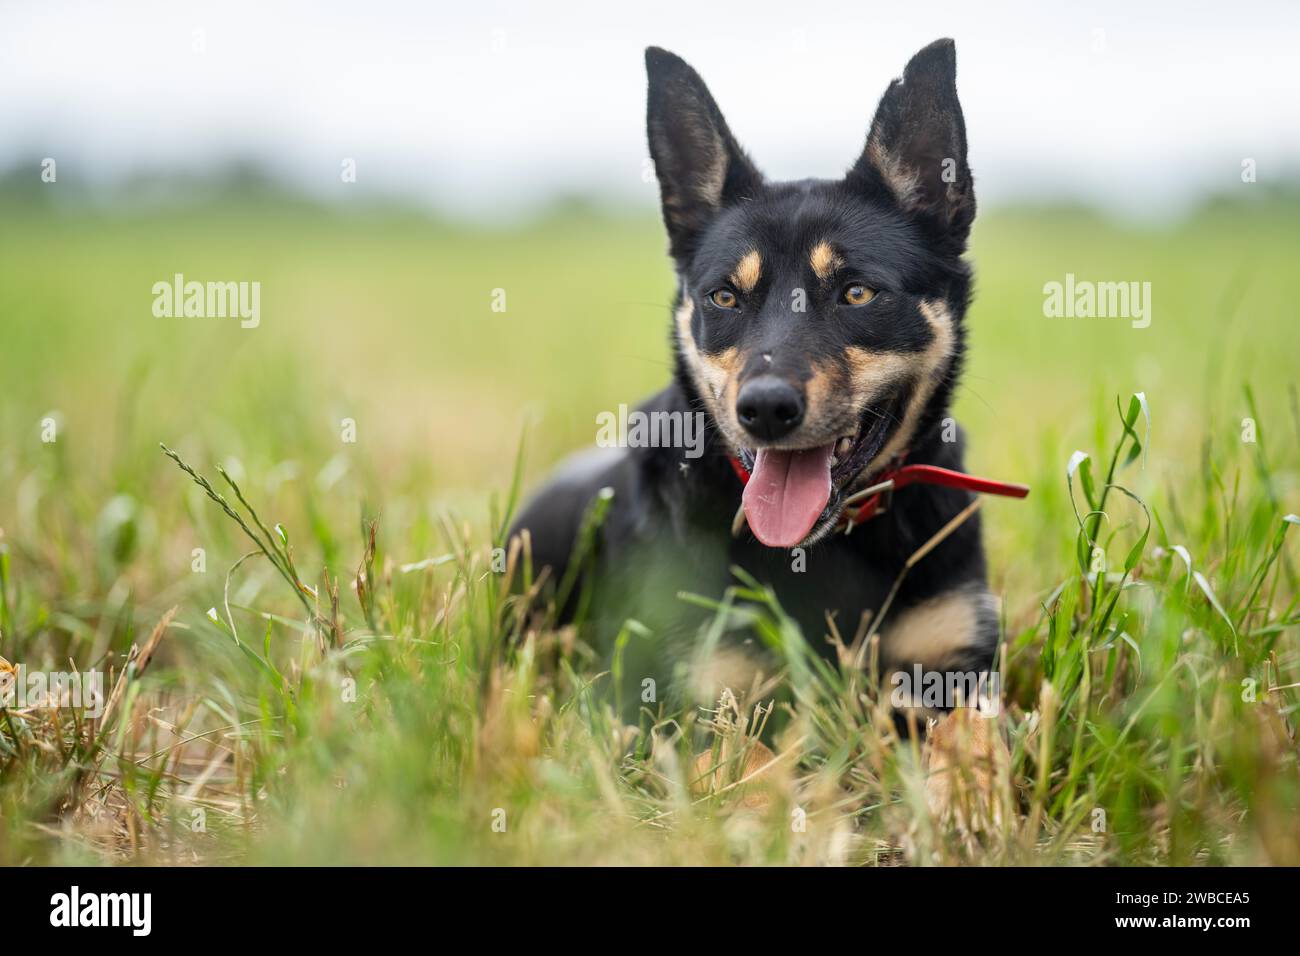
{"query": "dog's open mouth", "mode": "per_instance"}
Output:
(792, 492)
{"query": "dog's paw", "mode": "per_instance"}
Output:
(739, 778)
(968, 771)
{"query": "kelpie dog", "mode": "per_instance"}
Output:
(818, 331)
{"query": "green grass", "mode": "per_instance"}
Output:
(313, 720)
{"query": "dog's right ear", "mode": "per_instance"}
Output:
(700, 166)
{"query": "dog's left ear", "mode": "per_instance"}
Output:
(700, 165)
(916, 149)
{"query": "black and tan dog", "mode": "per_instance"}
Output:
(818, 329)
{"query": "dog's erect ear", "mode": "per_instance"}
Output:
(700, 166)
(917, 145)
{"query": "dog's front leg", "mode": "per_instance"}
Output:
(939, 661)
(968, 767)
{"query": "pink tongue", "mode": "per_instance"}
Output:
(786, 494)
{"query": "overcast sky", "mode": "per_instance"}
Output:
(494, 107)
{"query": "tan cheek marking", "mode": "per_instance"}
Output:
(715, 375)
(748, 271)
(940, 319)
(933, 363)
(723, 371)
(817, 392)
(824, 261)
(683, 317)
(931, 633)
(871, 372)
(830, 397)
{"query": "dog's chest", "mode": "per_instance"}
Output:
(832, 577)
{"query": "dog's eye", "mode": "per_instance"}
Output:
(723, 298)
(858, 294)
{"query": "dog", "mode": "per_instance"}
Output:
(818, 334)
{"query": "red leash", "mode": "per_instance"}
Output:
(873, 498)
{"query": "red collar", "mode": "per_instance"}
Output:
(872, 501)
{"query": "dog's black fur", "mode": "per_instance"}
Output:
(897, 223)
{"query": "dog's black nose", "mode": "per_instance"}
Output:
(769, 408)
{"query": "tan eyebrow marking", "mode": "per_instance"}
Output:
(824, 261)
(748, 271)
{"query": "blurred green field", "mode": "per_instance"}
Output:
(388, 321)
(386, 318)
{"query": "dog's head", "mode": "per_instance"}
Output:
(818, 322)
